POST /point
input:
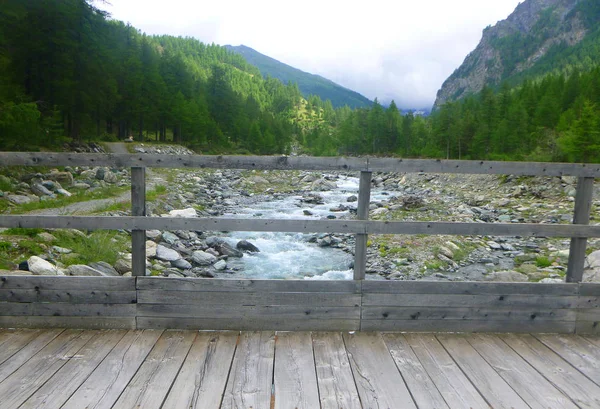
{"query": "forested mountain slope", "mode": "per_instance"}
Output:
(309, 84)
(538, 38)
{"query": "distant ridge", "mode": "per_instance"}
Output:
(309, 84)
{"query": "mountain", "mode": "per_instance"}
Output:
(309, 84)
(539, 37)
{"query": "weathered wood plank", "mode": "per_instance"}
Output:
(225, 298)
(299, 163)
(594, 340)
(532, 387)
(451, 382)
(138, 208)
(462, 313)
(583, 207)
(378, 381)
(362, 213)
(588, 314)
(85, 310)
(295, 379)
(81, 322)
(587, 327)
(152, 382)
(469, 288)
(16, 308)
(104, 386)
(21, 384)
(65, 381)
(12, 341)
(67, 283)
(589, 289)
(203, 376)
(68, 296)
(563, 376)
(485, 300)
(577, 351)
(422, 388)
(564, 327)
(254, 286)
(14, 359)
(249, 383)
(243, 312)
(334, 375)
(489, 384)
(249, 324)
(306, 226)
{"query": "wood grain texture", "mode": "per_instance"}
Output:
(336, 383)
(490, 385)
(68, 322)
(55, 392)
(465, 313)
(201, 382)
(104, 386)
(563, 376)
(488, 301)
(12, 341)
(579, 352)
(67, 283)
(532, 387)
(379, 383)
(295, 379)
(249, 383)
(422, 388)
(456, 389)
(150, 385)
(470, 288)
(69, 296)
(250, 324)
(22, 383)
(581, 215)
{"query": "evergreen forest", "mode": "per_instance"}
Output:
(69, 73)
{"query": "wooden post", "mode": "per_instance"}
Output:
(138, 208)
(364, 199)
(583, 206)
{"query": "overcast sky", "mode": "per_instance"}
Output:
(389, 49)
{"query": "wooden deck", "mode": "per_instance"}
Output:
(189, 369)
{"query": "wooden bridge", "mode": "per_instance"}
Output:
(133, 341)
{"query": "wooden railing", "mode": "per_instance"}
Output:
(370, 295)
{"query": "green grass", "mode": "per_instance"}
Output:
(543, 262)
(14, 251)
(19, 231)
(98, 246)
(102, 193)
(158, 191)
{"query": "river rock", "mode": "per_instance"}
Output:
(123, 266)
(64, 192)
(202, 258)
(213, 241)
(313, 199)
(227, 250)
(81, 186)
(19, 199)
(258, 180)
(105, 268)
(40, 190)
(61, 250)
(46, 237)
(244, 245)
(62, 177)
(153, 234)
(446, 252)
(507, 276)
(110, 177)
(83, 270)
(169, 237)
(220, 265)
(39, 266)
(14, 273)
(166, 254)
(182, 264)
(323, 185)
(352, 198)
(189, 212)
(151, 248)
(99, 173)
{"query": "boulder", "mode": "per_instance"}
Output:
(220, 265)
(169, 237)
(39, 266)
(153, 234)
(166, 254)
(123, 266)
(110, 177)
(227, 250)
(507, 276)
(40, 190)
(189, 212)
(322, 185)
(105, 268)
(244, 245)
(19, 199)
(182, 264)
(150, 248)
(202, 258)
(62, 177)
(83, 270)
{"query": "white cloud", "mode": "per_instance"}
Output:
(400, 50)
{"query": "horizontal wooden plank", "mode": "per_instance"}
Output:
(306, 226)
(448, 313)
(7, 321)
(84, 310)
(68, 283)
(589, 289)
(588, 328)
(16, 308)
(224, 285)
(299, 162)
(239, 311)
(68, 296)
(243, 324)
(224, 298)
(588, 314)
(467, 288)
(468, 326)
(491, 301)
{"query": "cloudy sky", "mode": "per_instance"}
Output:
(389, 49)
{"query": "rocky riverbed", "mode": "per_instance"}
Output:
(313, 195)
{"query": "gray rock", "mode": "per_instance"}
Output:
(446, 252)
(227, 250)
(83, 270)
(153, 234)
(244, 245)
(494, 246)
(14, 273)
(61, 250)
(507, 247)
(169, 237)
(62, 177)
(507, 276)
(352, 198)
(551, 280)
(220, 265)
(151, 249)
(181, 264)
(323, 185)
(593, 259)
(40, 190)
(123, 266)
(100, 172)
(81, 185)
(19, 199)
(39, 266)
(212, 241)
(166, 254)
(189, 212)
(64, 192)
(202, 258)
(110, 177)
(105, 268)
